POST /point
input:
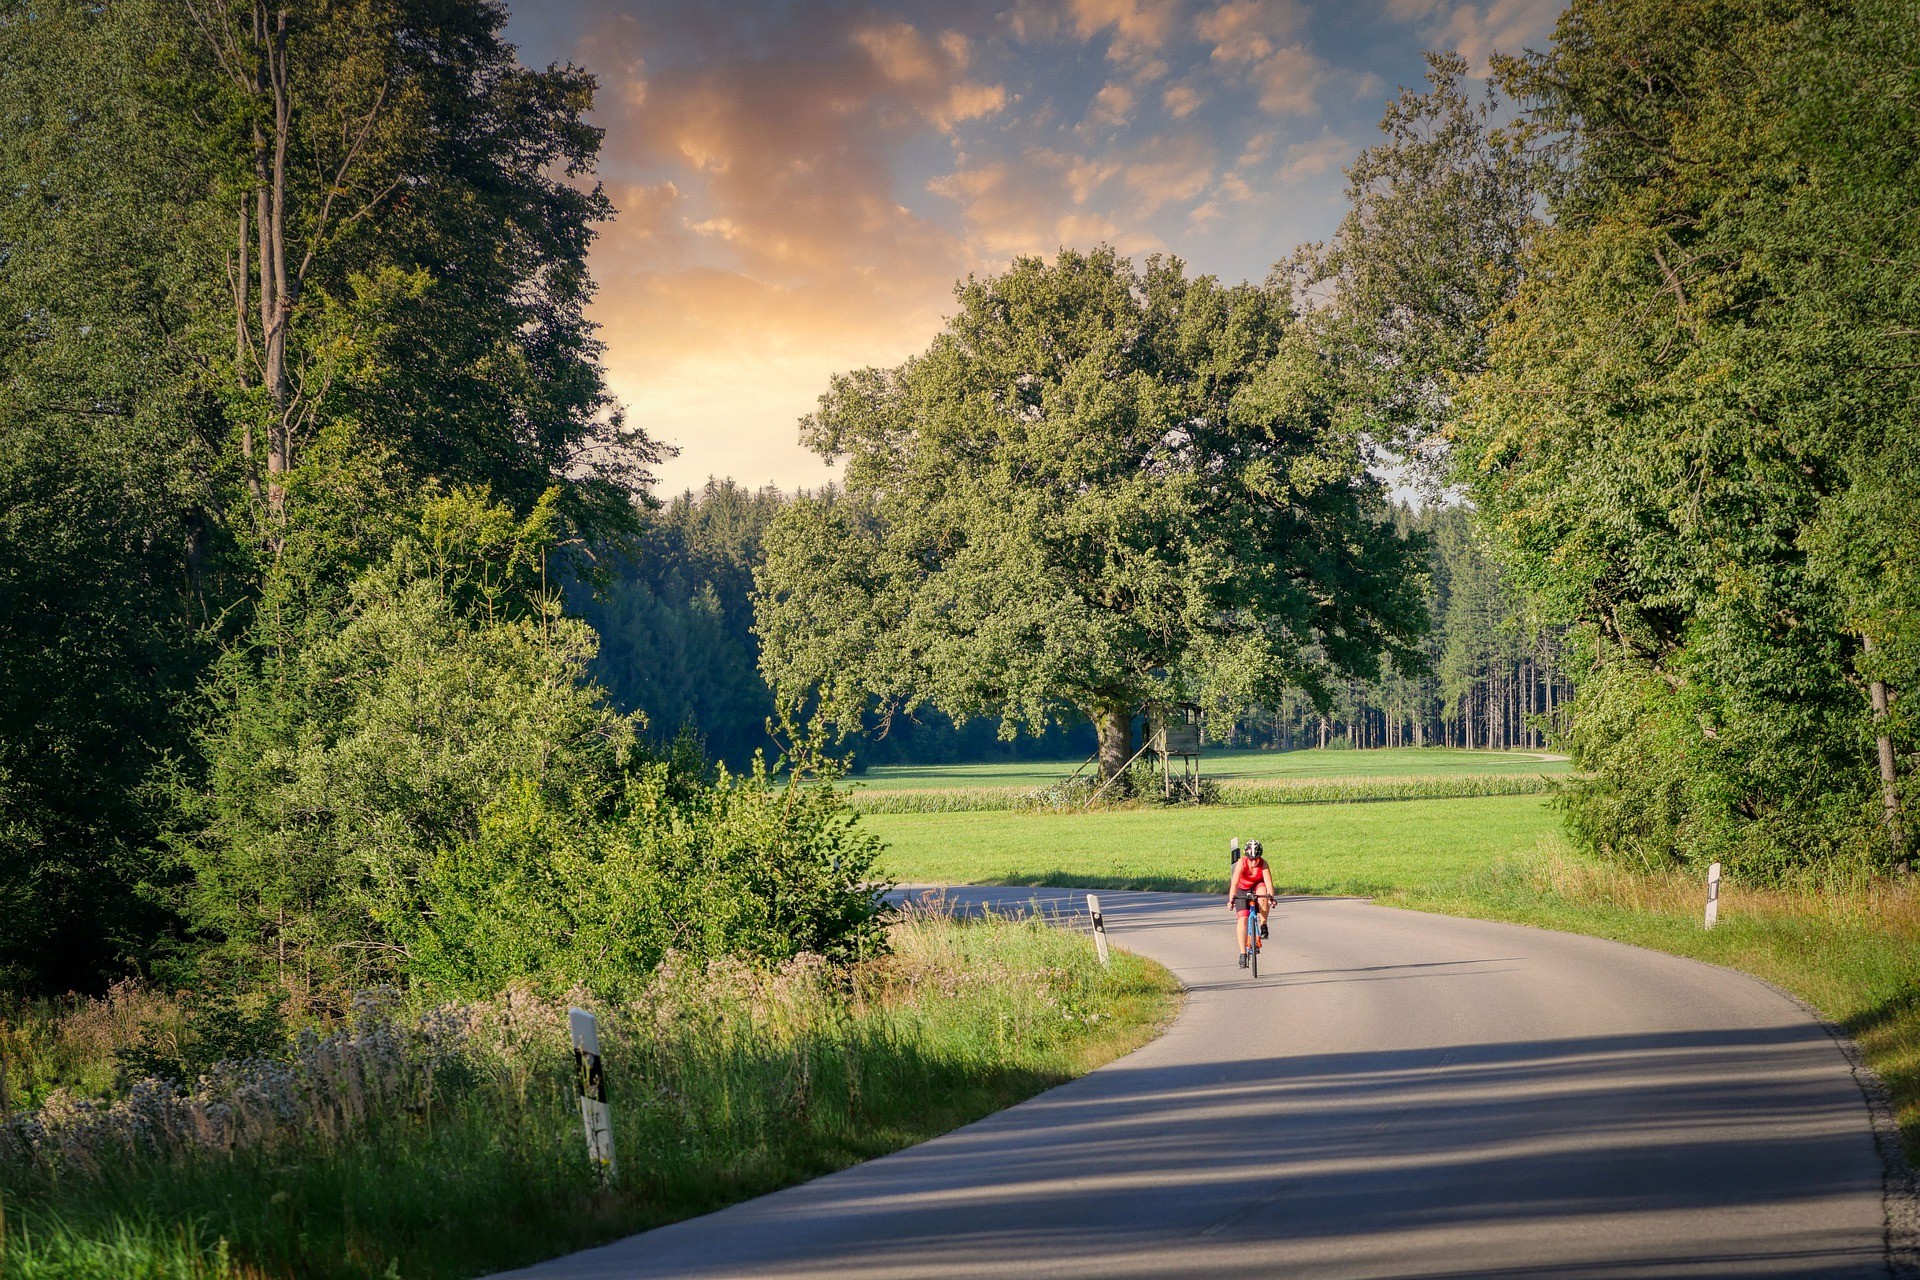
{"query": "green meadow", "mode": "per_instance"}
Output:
(1314, 848)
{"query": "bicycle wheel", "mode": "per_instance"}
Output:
(1253, 943)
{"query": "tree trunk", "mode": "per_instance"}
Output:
(1115, 727)
(1889, 779)
(270, 217)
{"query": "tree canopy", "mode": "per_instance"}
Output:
(1099, 486)
(273, 276)
(1694, 434)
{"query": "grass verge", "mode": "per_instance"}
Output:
(447, 1144)
(1849, 948)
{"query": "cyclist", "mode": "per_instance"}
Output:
(1250, 887)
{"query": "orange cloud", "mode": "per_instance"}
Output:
(1112, 107)
(1248, 34)
(1477, 31)
(1136, 28)
(1246, 31)
(1167, 170)
(1036, 204)
(1181, 100)
(800, 186)
(767, 247)
(1288, 79)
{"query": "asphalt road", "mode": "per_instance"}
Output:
(1397, 1095)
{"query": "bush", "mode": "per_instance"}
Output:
(742, 866)
(424, 786)
(1678, 776)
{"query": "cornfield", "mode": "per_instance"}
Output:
(1236, 794)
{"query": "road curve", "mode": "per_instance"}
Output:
(1397, 1095)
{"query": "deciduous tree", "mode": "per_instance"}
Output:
(1099, 485)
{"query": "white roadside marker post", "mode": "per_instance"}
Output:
(1713, 894)
(1233, 852)
(1099, 929)
(591, 1082)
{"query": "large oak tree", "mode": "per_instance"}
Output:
(1099, 485)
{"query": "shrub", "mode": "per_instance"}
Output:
(426, 787)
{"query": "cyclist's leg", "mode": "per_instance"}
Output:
(1240, 925)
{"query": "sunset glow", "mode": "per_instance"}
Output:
(801, 184)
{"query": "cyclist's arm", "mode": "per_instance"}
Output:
(1266, 878)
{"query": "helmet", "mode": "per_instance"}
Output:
(1254, 850)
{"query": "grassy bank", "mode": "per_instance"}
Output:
(1850, 949)
(446, 1143)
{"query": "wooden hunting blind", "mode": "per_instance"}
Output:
(1174, 730)
(1173, 733)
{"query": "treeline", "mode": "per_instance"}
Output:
(675, 613)
(675, 616)
(1493, 675)
(301, 426)
(1660, 328)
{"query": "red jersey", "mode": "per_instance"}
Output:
(1246, 875)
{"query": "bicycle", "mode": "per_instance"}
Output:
(1253, 901)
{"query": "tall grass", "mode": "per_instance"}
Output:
(445, 1142)
(73, 1043)
(1232, 793)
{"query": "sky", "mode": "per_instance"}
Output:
(801, 184)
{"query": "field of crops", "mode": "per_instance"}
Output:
(1235, 778)
(1235, 765)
